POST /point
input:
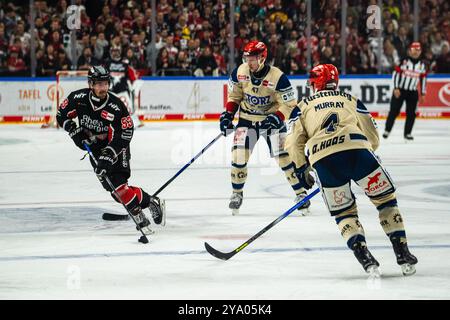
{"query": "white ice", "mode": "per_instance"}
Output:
(54, 244)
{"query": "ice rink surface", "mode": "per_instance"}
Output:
(54, 244)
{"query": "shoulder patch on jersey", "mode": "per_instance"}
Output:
(285, 89)
(283, 83)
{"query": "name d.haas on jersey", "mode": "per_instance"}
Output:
(327, 143)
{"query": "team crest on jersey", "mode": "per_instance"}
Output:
(107, 116)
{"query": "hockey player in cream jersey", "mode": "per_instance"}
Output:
(340, 137)
(264, 97)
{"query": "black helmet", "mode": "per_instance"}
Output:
(98, 73)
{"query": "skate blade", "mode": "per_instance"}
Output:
(147, 231)
(408, 269)
(374, 271)
(235, 212)
(163, 210)
(305, 212)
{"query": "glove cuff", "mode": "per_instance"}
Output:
(280, 115)
(231, 107)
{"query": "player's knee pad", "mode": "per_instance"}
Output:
(126, 195)
(387, 200)
(240, 156)
(377, 184)
(338, 199)
(391, 221)
(351, 229)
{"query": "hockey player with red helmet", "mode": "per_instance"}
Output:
(340, 137)
(264, 97)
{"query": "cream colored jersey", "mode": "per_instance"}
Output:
(328, 122)
(257, 98)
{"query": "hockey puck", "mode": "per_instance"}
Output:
(143, 239)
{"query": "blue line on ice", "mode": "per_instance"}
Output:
(196, 252)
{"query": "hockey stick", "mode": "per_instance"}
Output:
(187, 164)
(143, 238)
(115, 217)
(225, 256)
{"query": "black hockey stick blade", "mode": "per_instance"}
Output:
(226, 256)
(218, 254)
(115, 217)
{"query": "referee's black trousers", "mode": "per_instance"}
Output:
(411, 98)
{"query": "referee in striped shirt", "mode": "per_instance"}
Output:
(406, 78)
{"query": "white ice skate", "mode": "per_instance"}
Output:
(235, 202)
(304, 209)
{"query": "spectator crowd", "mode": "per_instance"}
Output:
(193, 37)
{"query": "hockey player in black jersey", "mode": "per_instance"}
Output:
(123, 80)
(105, 124)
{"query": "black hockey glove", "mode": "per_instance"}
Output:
(304, 176)
(105, 162)
(226, 122)
(272, 122)
(78, 136)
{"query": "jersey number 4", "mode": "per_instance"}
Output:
(330, 123)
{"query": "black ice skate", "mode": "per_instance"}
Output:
(157, 209)
(304, 208)
(141, 220)
(386, 134)
(408, 138)
(368, 262)
(235, 202)
(404, 258)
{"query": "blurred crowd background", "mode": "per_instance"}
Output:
(193, 37)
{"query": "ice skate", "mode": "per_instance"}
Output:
(365, 258)
(235, 202)
(304, 209)
(409, 138)
(386, 134)
(404, 258)
(141, 220)
(157, 209)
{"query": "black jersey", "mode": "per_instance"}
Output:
(121, 73)
(108, 124)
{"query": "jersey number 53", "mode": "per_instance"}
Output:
(127, 122)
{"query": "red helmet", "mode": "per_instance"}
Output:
(324, 76)
(255, 48)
